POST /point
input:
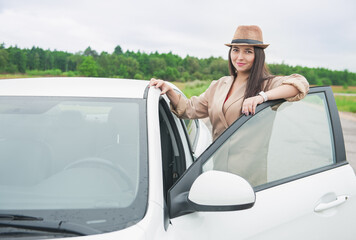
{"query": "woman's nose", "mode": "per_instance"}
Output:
(240, 55)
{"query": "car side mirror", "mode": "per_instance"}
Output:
(221, 191)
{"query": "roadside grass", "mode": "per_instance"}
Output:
(7, 76)
(346, 103)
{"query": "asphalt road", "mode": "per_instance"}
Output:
(348, 122)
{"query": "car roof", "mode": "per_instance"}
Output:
(73, 87)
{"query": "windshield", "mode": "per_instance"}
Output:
(81, 160)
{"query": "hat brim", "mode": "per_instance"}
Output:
(246, 44)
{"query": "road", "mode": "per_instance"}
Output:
(348, 122)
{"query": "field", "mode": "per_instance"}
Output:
(193, 88)
(341, 89)
(6, 76)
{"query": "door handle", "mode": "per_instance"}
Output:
(324, 206)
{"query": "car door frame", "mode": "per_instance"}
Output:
(178, 203)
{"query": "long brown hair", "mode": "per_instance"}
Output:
(258, 75)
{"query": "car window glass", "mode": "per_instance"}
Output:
(192, 130)
(191, 126)
(279, 142)
(85, 156)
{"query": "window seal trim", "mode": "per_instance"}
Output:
(195, 143)
(335, 122)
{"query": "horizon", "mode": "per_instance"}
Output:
(156, 51)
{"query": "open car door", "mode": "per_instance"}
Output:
(293, 156)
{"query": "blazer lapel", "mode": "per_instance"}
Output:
(222, 93)
(235, 96)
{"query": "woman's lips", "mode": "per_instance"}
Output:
(241, 64)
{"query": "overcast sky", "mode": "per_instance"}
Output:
(313, 33)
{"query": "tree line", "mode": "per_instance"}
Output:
(141, 65)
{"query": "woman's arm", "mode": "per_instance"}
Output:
(193, 108)
(165, 89)
(283, 91)
(291, 88)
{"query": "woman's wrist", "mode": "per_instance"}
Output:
(173, 96)
(263, 95)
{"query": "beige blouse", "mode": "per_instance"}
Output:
(222, 115)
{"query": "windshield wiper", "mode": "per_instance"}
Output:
(38, 224)
(15, 217)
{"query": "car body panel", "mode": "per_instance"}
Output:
(289, 216)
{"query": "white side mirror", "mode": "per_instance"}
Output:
(221, 191)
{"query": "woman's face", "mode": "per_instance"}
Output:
(242, 58)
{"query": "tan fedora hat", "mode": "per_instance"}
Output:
(248, 35)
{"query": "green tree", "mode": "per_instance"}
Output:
(191, 64)
(103, 62)
(88, 67)
(132, 66)
(118, 50)
(156, 64)
(324, 81)
(3, 60)
(142, 65)
(48, 60)
(89, 52)
(60, 60)
(138, 76)
(219, 66)
(33, 59)
(17, 58)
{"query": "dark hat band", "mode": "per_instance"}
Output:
(248, 41)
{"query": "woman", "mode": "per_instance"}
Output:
(250, 84)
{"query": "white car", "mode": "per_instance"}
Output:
(96, 158)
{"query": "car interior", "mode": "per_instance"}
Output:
(171, 146)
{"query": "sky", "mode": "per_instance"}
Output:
(311, 33)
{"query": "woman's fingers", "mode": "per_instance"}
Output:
(153, 82)
(246, 107)
(161, 84)
(254, 108)
(249, 105)
(156, 82)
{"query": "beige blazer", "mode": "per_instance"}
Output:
(222, 115)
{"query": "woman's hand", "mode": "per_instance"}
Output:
(165, 89)
(249, 104)
(158, 83)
